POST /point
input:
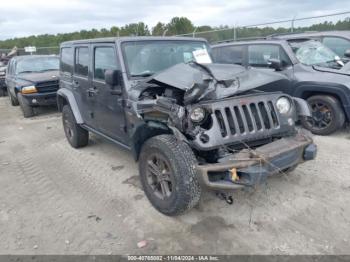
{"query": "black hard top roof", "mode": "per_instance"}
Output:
(130, 38)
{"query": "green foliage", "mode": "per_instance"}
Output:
(176, 26)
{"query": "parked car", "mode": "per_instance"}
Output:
(337, 41)
(315, 72)
(2, 79)
(188, 122)
(32, 81)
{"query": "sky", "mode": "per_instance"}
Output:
(32, 17)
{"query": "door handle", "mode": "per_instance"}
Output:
(76, 84)
(92, 91)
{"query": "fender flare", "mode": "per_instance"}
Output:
(69, 97)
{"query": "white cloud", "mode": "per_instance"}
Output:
(28, 17)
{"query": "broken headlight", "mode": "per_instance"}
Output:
(283, 105)
(197, 115)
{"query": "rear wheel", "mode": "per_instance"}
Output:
(76, 135)
(27, 110)
(327, 115)
(168, 175)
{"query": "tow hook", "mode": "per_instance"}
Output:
(226, 197)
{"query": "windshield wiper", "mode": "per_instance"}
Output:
(143, 74)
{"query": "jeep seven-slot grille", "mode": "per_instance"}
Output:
(45, 87)
(249, 118)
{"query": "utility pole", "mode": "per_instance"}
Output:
(194, 32)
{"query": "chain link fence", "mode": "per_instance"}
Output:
(254, 31)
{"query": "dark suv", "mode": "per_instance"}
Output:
(2, 79)
(188, 122)
(316, 73)
(32, 81)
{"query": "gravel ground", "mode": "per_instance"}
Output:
(58, 200)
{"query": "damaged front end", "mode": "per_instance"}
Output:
(239, 135)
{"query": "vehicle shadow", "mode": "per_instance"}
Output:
(45, 110)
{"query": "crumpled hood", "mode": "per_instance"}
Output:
(214, 81)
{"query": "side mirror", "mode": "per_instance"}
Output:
(347, 53)
(275, 64)
(112, 77)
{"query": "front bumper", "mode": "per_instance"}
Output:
(40, 99)
(254, 166)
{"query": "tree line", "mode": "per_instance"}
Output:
(176, 26)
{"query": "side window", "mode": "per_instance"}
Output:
(228, 55)
(67, 59)
(81, 66)
(259, 55)
(104, 59)
(337, 44)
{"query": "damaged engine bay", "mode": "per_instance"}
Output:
(216, 107)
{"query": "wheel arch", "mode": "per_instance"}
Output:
(144, 132)
(66, 97)
(337, 92)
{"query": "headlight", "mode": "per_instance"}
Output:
(283, 105)
(197, 115)
(28, 90)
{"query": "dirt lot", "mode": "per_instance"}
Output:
(58, 200)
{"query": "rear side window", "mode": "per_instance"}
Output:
(82, 61)
(259, 55)
(104, 59)
(66, 64)
(228, 55)
(337, 44)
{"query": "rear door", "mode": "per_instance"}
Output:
(231, 54)
(82, 83)
(109, 111)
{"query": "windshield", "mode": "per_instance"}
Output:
(313, 53)
(144, 58)
(41, 64)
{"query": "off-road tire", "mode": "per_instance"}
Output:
(186, 190)
(337, 115)
(27, 110)
(75, 134)
(13, 100)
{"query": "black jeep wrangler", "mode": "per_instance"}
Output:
(188, 122)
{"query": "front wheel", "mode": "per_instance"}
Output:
(2, 92)
(27, 110)
(13, 100)
(327, 115)
(168, 175)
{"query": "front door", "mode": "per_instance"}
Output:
(258, 57)
(109, 111)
